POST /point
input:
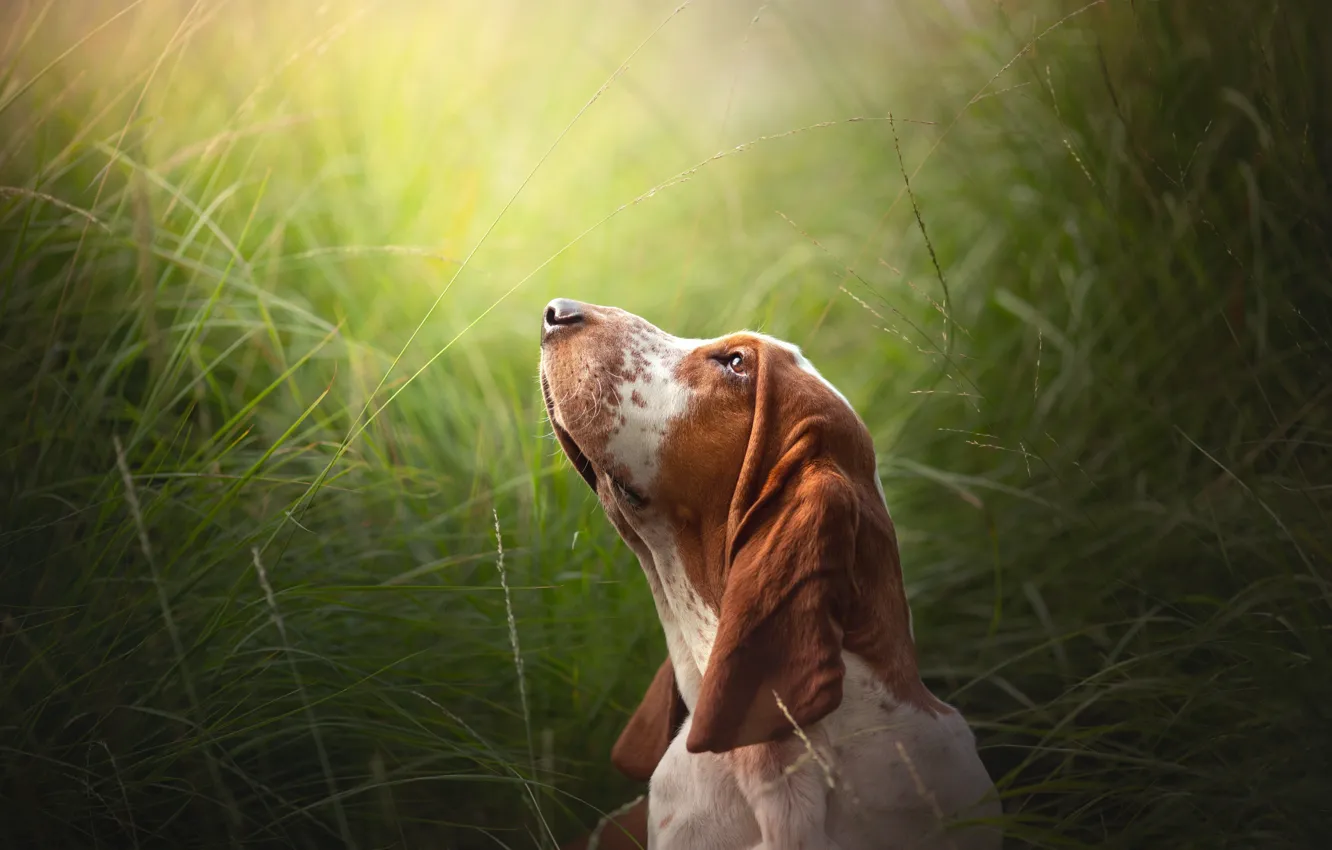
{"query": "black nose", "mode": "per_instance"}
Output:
(561, 313)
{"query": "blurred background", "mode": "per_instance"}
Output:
(290, 559)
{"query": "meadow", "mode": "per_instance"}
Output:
(288, 554)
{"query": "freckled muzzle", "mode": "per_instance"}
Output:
(609, 384)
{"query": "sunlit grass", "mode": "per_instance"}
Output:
(290, 558)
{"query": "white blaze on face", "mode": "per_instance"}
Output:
(649, 399)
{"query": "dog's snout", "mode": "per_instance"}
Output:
(561, 313)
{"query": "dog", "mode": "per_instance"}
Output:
(790, 712)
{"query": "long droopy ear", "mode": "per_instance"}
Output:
(649, 732)
(790, 565)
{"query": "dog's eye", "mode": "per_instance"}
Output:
(735, 361)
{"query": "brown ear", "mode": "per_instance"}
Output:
(790, 560)
(649, 732)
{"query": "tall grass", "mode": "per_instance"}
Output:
(289, 560)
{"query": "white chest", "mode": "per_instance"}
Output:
(884, 773)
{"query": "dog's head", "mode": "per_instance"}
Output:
(763, 479)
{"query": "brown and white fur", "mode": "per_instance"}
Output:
(790, 713)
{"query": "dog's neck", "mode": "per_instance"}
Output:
(688, 621)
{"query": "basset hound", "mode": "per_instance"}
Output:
(789, 714)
